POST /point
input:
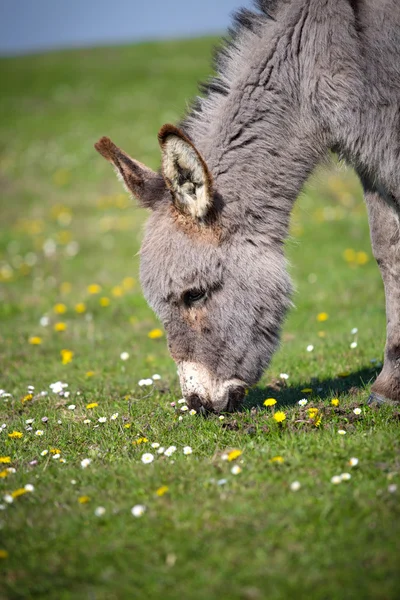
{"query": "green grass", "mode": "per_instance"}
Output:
(252, 537)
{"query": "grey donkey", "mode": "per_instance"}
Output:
(296, 79)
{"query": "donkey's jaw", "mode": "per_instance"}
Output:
(201, 390)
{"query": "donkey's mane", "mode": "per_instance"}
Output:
(244, 20)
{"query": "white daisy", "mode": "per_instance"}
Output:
(182, 401)
(161, 450)
(303, 402)
(87, 421)
(56, 456)
(100, 511)
(143, 382)
(85, 462)
(357, 411)
(336, 479)
(192, 412)
(310, 348)
(187, 450)
(184, 408)
(345, 476)
(353, 345)
(8, 498)
(156, 377)
(295, 486)
(102, 419)
(39, 432)
(44, 452)
(169, 451)
(147, 458)
(71, 407)
(155, 445)
(29, 421)
(353, 462)
(354, 331)
(284, 376)
(236, 470)
(138, 510)
(341, 432)
(114, 416)
(392, 488)
(124, 355)
(29, 487)
(221, 417)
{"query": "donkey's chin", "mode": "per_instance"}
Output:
(204, 393)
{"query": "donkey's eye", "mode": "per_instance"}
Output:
(192, 297)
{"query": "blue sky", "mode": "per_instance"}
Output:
(36, 25)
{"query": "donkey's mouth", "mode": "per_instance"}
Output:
(204, 393)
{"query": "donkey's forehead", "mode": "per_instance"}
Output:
(173, 258)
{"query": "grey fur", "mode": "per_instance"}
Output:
(300, 78)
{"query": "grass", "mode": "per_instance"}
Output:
(66, 224)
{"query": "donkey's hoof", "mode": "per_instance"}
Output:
(378, 400)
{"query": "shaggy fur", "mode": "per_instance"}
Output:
(297, 78)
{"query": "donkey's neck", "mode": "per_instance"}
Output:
(253, 129)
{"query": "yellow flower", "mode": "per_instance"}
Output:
(94, 288)
(3, 554)
(155, 334)
(4, 473)
(323, 316)
(128, 283)
(90, 373)
(312, 412)
(335, 402)
(65, 287)
(60, 308)
(55, 451)
(92, 405)
(80, 307)
(15, 434)
(362, 258)
(35, 340)
(66, 356)
(317, 421)
(5, 460)
(141, 440)
(117, 291)
(83, 499)
(279, 416)
(104, 301)
(162, 490)
(306, 391)
(277, 459)
(60, 326)
(127, 425)
(26, 398)
(234, 454)
(322, 334)
(349, 255)
(269, 402)
(18, 492)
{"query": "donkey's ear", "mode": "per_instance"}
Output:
(186, 173)
(146, 185)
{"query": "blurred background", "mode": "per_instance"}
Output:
(34, 26)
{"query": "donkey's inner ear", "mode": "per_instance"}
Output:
(186, 173)
(146, 185)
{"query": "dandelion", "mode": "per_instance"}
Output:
(353, 462)
(44, 452)
(310, 348)
(29, 487)
(3, 553)
(66, 356)
(4, 473)
(92, 405)
(87, 421)
(170, 450)
(279, 416)
(342, 432)
(85, 463)
(335, 402)
(303, 402)
(392, 488)
(90, 373)
(155, 445)
(155, 334)
(353, 345)
(124, 355)
(147, 458)
(318, 421)
(269, 402)
(141, 440)
(60, 326)
(156, 377)
(114, 416)
(15, 435)
(127, 425)
(99, 511)
(357, 411)
(71, 407)
(35, 340)
(295, 486)
(345, 476)
(322, 316)
(4, 460)
(284, 376)
(336, 479)
(93, 289)
(80, 307)
(83, 499)
(60, 309)
(277, 459)
(19, 492)
(362, 258)
(234, 454)
(192, 412)
(138, 510)
(102, 419)
(236, 470)
(187, 450)
(162, 490)
(27, 398)
(104, 301)
(312, 412)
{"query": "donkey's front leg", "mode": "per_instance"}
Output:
(384, 221)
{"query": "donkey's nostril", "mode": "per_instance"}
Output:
(235, 397)
(194, 402)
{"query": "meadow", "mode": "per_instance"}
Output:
(109, 487)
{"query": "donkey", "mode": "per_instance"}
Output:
(297, 79)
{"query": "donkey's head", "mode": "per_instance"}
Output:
(219, 289)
